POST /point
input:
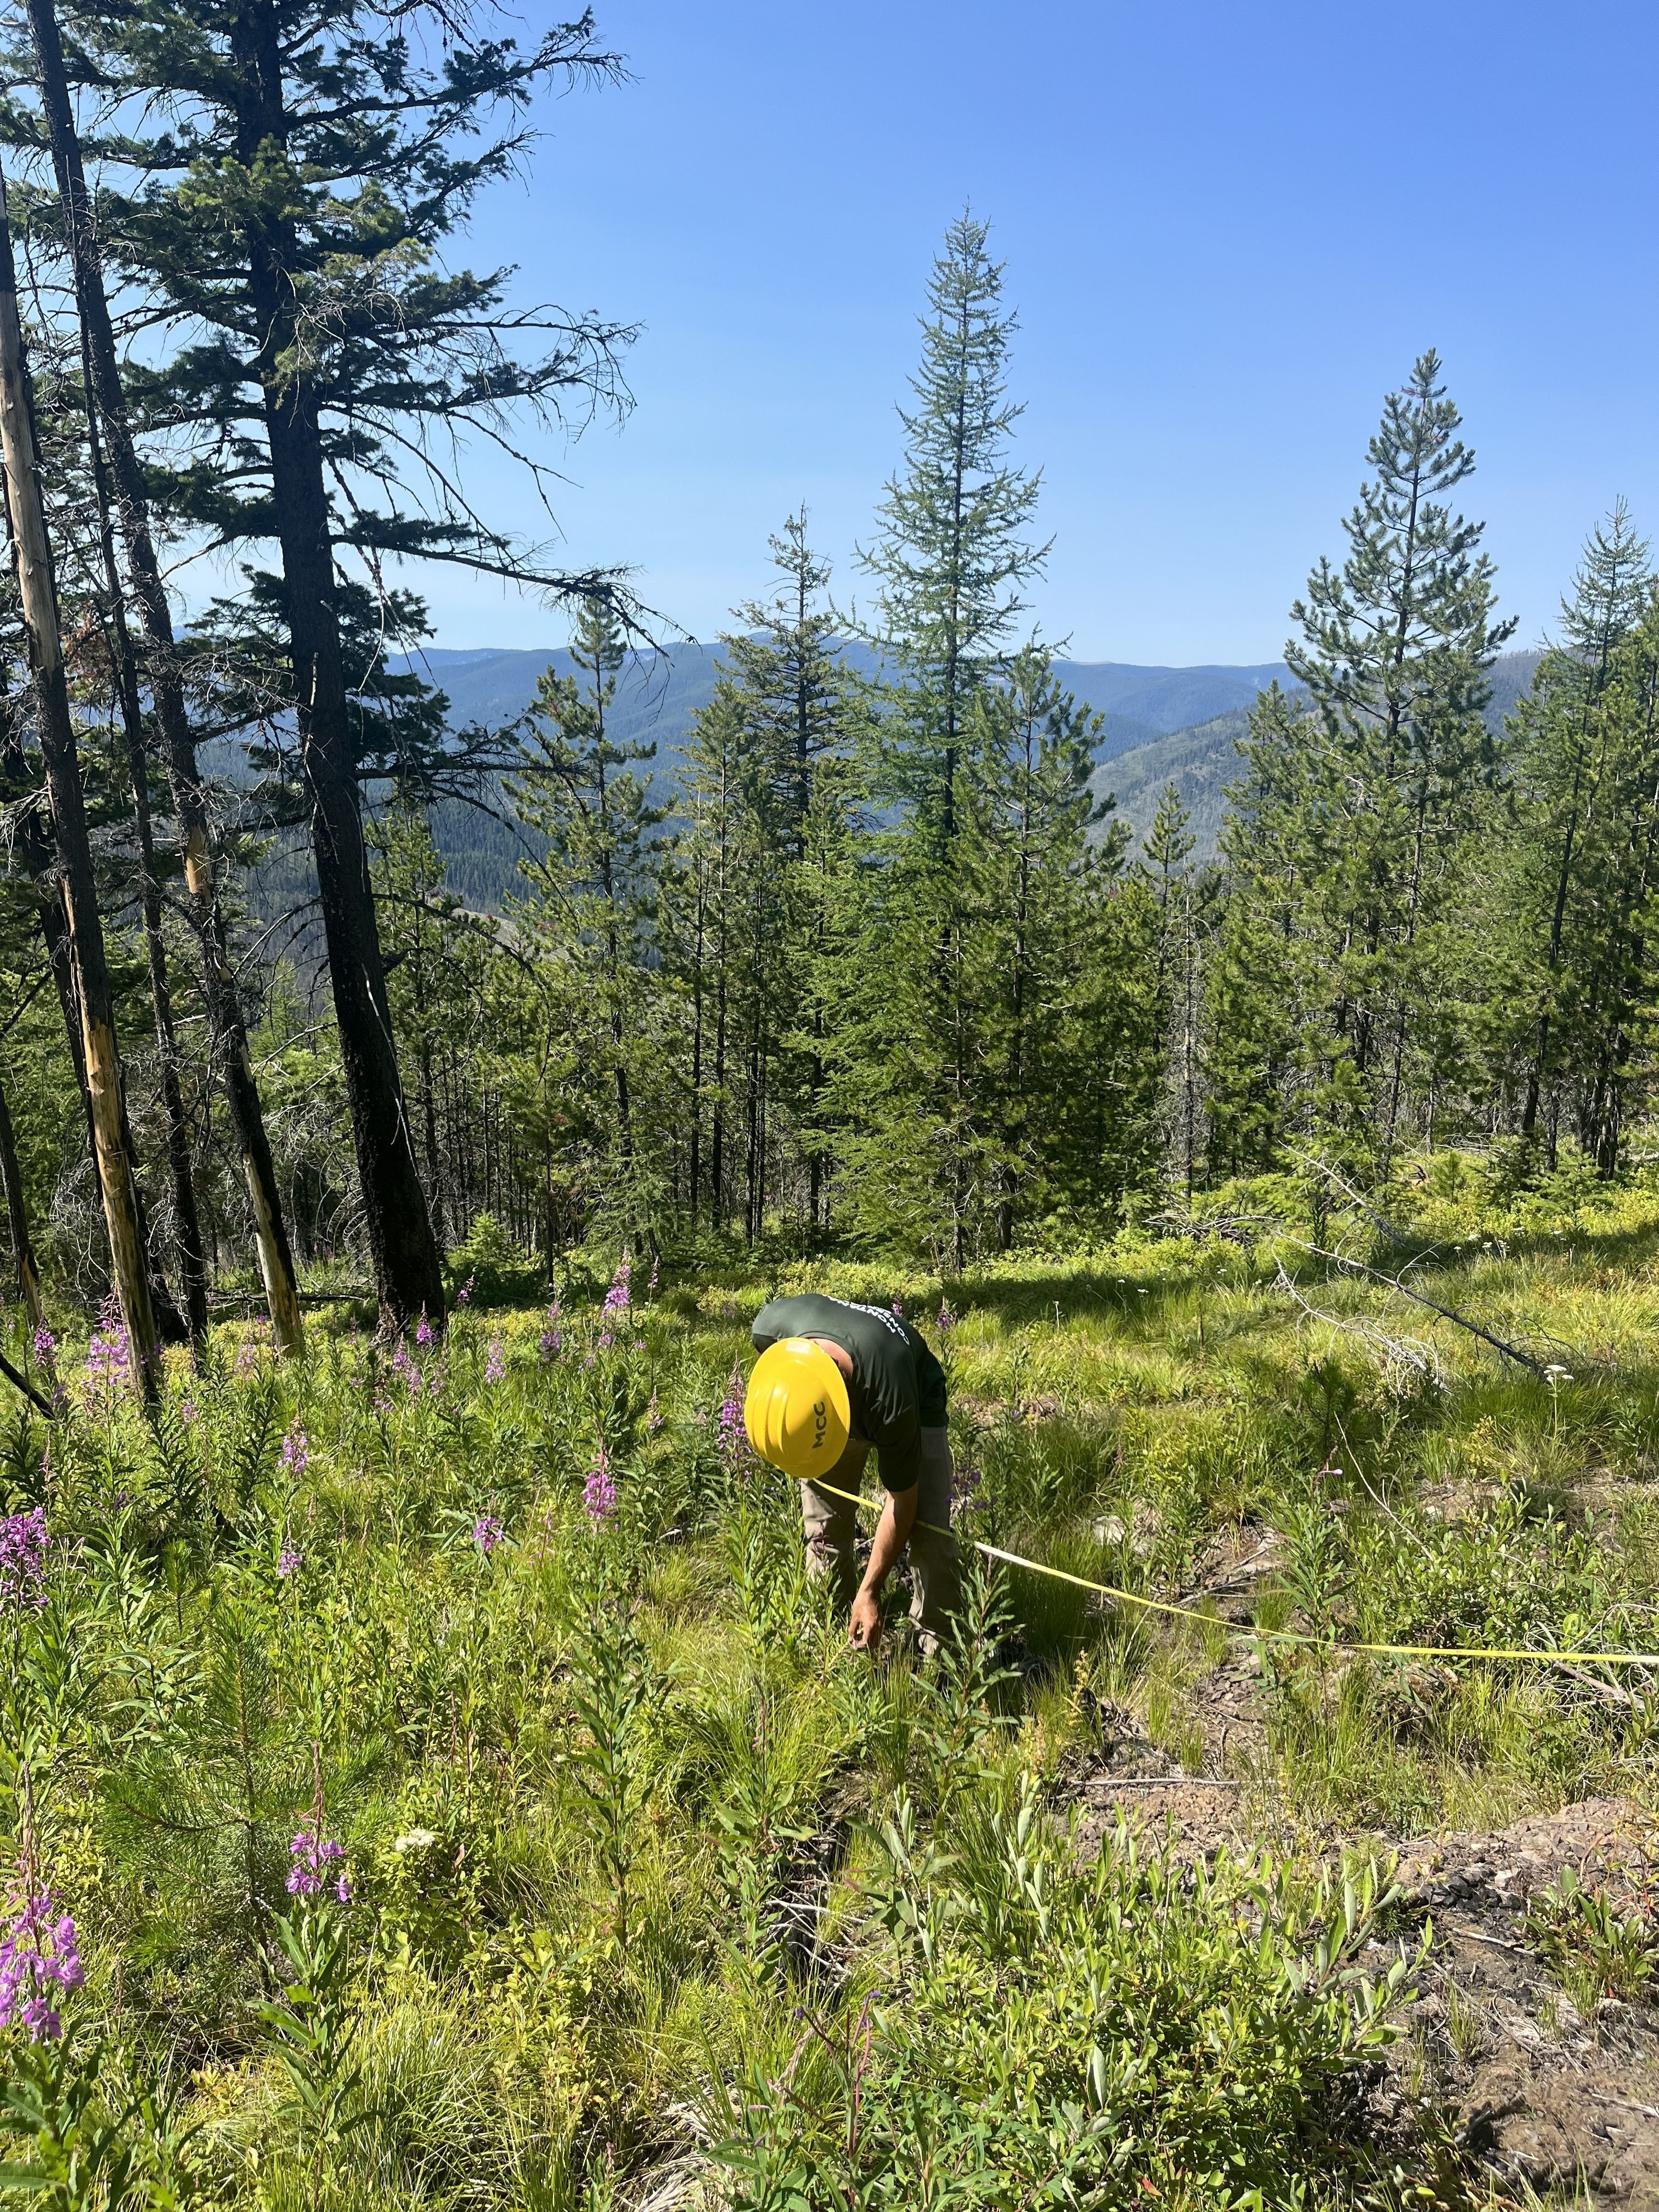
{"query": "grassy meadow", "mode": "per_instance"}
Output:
(459, 1799)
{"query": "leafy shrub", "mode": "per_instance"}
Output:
(1021, 2040)
(499, 1272)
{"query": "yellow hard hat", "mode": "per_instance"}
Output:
(797, 1410)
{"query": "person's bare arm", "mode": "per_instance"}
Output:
(892, 1534)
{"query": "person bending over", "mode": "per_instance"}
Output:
(833, 1382)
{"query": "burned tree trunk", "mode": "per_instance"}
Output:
(184, 777)
(117, 1167)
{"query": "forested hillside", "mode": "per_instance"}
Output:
(1202, 763)
(659, 695)
(438, 1766)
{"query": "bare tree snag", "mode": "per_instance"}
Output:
(22, 1244)
(77, 888)
(167, 689)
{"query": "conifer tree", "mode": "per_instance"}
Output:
(1560, 822)
(591, 896)
(108, 420)
(951, 562)
(1359, 799)
(88, 956)
(311, 164)
(1167, 867)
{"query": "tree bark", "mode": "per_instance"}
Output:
(408, 1275)
(32, 551)
(192, 1264)
(22, 1244)
(184, 777)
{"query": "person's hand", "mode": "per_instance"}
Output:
(864, 1625)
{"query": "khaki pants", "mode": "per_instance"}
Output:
(831, 1525)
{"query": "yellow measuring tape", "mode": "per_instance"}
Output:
(1266, 1635)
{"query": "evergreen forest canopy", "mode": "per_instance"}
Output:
(876, 968)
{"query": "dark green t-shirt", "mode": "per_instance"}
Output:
(897, 1388)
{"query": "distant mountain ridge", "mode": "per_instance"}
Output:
(1203, 761)
(659, 694)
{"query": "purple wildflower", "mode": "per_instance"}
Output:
(312, 1852)
(296, 1452)
(189, 1411)
(463, 1296)
(947, 1320)
(38, 1951)
(898, 1308)
(109, 1355)
(651, 1287)
(24, 1544)
(552, 1337)
(965, 1485)
(45, 1345)
(247, 1354)
(616, 1298)
(423, 1332)
(653, 1416)
(599, 1492)
(403, 1365)
(342, 1889)
(487, 1533)
(290, 1560)
(496, 1365)
(733, 1436)
(605, 1341)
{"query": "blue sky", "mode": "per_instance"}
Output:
(1228, 229)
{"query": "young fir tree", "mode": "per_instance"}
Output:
(1168, 869)
(1563, 808)
(1034, 886)
(1358, 803)
(310, 163)
(592, 894)
(789, 704)
(951, 560)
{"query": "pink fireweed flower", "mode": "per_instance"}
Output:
(552, 1336)
(599, 1492)
(463, 1296)
(45, 1345)
(898, 1308)
(402, 1364)
(495, 1363)
(616, 1298)
(606, 1340)
(109, 1355)
(653, 1416)
(39, 1954)
(733, 1436)
(313, 1853)
(189, 1411)
(651, 1287)
(947, 1320)
(296, 1452)
(966, 1482)
(290, 1560)
(24, 1544)
(487, 1533)
(423, 1332)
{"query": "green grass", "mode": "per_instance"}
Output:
(654, 1881)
